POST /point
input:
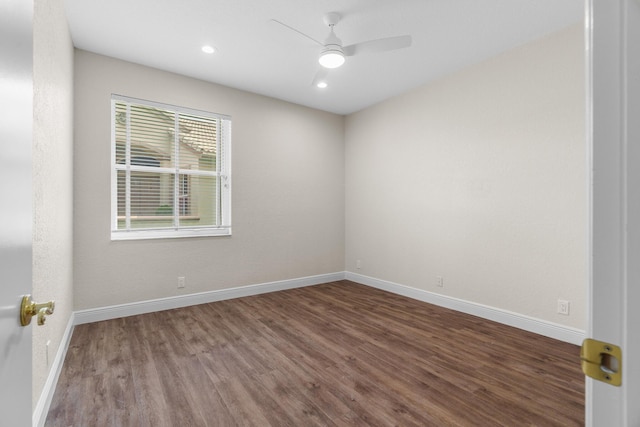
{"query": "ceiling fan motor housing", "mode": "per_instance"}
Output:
(332, 55)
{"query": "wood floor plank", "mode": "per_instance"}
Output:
(150, 401)
(337, 354)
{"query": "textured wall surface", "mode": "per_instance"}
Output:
(479, 178)
(52, 180)
(288, 192)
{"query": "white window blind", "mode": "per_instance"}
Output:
(170, 171)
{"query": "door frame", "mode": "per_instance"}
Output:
(613, 126)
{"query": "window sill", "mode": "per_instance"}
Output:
(169, 233)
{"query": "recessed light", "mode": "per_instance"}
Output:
(208, 49)
(322, 84)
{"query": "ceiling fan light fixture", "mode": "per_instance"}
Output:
(331, 56)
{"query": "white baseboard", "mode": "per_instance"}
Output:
(142, 307)
(44, 402)
(541, 327)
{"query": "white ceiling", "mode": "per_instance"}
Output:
(259, 56)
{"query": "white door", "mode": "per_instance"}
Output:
(614, 95)
(16, 112)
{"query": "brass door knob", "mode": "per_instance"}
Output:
(30, 308)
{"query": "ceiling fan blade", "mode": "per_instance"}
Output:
(297, 31)
(380, 45)
(321, 76)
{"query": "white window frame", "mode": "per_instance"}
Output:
(223, 174)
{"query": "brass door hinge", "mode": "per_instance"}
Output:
(601, 361)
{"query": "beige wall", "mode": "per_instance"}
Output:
(479, 178)
(288, 192)
(52, 180)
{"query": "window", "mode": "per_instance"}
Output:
(170, 171)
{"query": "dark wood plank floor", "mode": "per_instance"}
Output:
(337, 354)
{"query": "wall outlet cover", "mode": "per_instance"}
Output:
(563, 307)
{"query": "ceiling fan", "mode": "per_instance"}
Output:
(333, 54)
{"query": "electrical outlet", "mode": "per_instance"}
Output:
(181, 282)
(563, 307)
(440, 281)
(358, 264)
